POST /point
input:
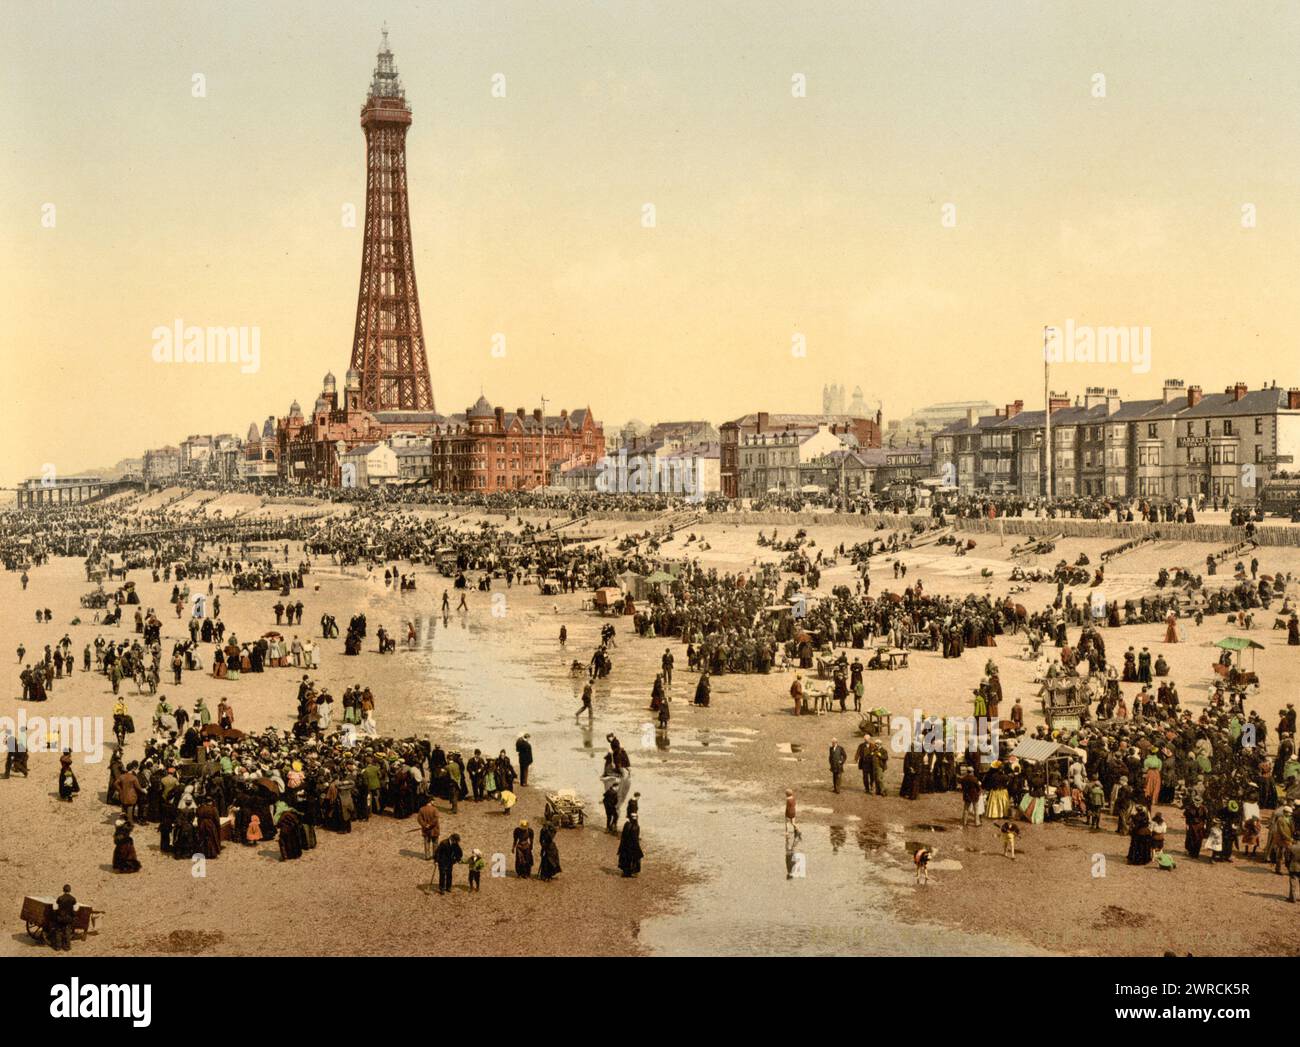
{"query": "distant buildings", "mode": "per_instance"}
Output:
(922, 424)
(833, 401)
(874, 471)
(161, 466)
(1184, 444)
(259, 456)
(769, 462)
(487, 450)
(865, 431)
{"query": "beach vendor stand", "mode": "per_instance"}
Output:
(875, 722)
(1234, 675)
(1056, 802)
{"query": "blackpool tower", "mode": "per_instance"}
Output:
(388, 355)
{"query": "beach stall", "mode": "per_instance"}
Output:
(608, 599)
(1231, 671)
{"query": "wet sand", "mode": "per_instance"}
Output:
(715, 878)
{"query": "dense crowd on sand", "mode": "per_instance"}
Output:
(206, 782)
(202, 780)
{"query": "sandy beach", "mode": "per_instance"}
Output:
(715, 875)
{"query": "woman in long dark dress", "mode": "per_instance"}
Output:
(1139, 848)
(185, 840)
(286, 825)
(629, 847)
(68, 787)
(523, 848)
(550, 866)
(1197, 817)
(209, 830)
(703, 690)
(124, 856)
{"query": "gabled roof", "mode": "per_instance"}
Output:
(1134, 409)
(1260, 401)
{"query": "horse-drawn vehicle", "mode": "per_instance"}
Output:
(608, 599)
(38, 914)
(95, 600)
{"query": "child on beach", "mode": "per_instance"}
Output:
(476, 864)
(790, 812)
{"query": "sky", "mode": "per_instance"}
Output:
(892, 195)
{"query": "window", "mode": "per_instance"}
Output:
(1151, 430)
(1227, 427)
(1259, 427)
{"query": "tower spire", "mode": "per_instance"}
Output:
(388, 351)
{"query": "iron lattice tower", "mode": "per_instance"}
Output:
(388, 344)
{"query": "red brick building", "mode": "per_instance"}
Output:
(310, 447)
(487, 450)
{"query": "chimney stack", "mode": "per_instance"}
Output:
(762, 422)
(1015, 408)
(501, 417)
(1293, 399)
(1238, 391)
(1193, 395)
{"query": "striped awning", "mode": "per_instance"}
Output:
(1042, 749)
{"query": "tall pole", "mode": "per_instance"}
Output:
(545, 471)
(1047, 411)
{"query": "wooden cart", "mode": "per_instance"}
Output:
(875, 722)
(38, 915)
(566, 809)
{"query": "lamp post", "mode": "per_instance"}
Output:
(1047, 410)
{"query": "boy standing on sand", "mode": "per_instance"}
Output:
(790, 812)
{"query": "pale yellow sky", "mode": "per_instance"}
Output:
(776, 216)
